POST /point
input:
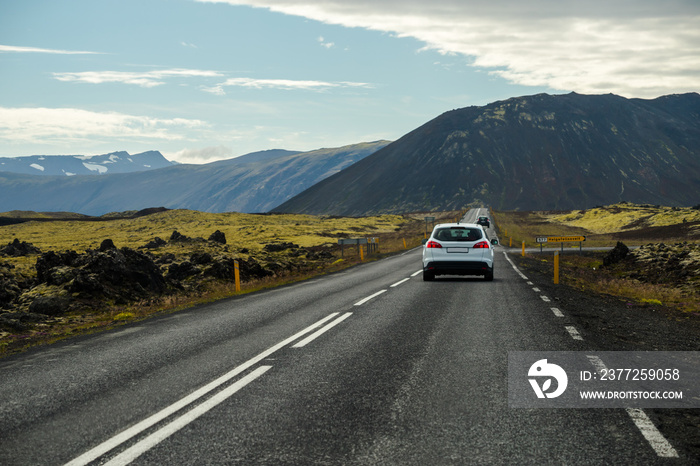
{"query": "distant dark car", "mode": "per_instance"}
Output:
(483, 221)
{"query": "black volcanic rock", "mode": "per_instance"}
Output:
(615, 255)
(121, 274)
(218, 237)
(19, 248)
(539, 152)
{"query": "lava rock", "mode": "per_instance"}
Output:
(200, 258)
(49, 305)
(49, 260)
(182, 270)
(218, 237)
(277, 247)
(106, 245)
(617, 254)
(18, 248)
(154, 243)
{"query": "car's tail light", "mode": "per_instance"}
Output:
(481, 245)
(433, 244)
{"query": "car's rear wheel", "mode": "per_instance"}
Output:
(428, 276)
(489, 276)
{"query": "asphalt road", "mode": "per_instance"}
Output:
(368, 366)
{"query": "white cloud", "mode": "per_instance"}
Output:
(143, 79)
(67, 125)
(324, 43)
(16, 49)
(640, 48)
(283, 84)
(198, 156)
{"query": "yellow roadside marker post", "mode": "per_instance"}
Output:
(556, 267)
(237, 275)
(404, 243)
(523, 254)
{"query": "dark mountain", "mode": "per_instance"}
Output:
(70, 165)
(251, 183)
(538, 152)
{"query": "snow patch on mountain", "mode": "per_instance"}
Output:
(95, 167)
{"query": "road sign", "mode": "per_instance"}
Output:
(356, 241)
(562, 239)
(352, 241)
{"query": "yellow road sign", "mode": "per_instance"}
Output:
(561, 239)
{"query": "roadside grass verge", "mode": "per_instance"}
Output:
(633, 224)
(246, 235)
(586, 273)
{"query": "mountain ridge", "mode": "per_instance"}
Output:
(251, 183)
(538, 152)
(72, 165)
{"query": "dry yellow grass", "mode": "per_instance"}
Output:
(623, 216)
(241, 230)
(600, 225)
(246, 236)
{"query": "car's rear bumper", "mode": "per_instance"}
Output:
(458, 268)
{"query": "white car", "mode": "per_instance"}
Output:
(458, 249)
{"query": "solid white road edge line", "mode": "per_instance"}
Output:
(400, 282)
(133, 452)
(514, 267)
(658, 442)
(362, 301)
(323, 330)
(136, 429)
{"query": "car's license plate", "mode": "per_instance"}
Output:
(462, 250)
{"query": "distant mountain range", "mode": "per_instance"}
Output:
(539, 152)
(254, 182)
(71, 165)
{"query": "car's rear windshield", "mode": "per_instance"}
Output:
(458, 234)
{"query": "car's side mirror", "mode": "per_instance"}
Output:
(494, 241)
(424, 241)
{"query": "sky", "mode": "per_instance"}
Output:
(204, 80)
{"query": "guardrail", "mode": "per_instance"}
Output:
(371, 245)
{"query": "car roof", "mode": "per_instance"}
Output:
(463, 225)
